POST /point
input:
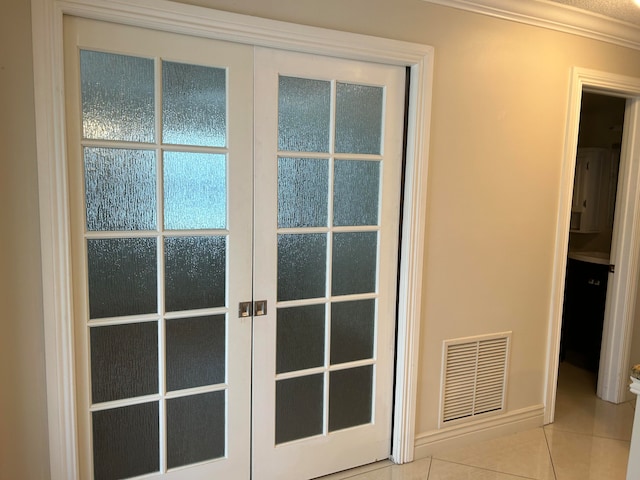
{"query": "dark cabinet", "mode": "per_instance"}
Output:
(583, 314)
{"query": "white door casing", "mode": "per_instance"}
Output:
(47, 25)
(625, 254)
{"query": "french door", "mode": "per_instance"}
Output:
(234, 218)
(326, 240)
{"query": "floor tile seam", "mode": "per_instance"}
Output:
(562, 430)
(482, 468)
(436, 456)
(373, 469)
(367, 472)
(553, 465)
(430, 466)
(614, 439)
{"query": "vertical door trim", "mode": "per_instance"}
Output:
(625, 251)
(47, 37)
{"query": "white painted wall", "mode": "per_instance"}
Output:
(498, 123)
(23, 423)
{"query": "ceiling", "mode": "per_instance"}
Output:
(625, 10)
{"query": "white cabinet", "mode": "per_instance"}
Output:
(594, 190)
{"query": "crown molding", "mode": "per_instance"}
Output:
(554, 16)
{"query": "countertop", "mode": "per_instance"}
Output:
(601, 258)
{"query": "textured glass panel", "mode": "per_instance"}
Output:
(300, 338)
(195, 351)
(354, 262)
(194, 102)
(126, 441)
(124, 361)
(299, 405)
(355, 193)
(195, 428)
(195, 275)
(350, 397)
(120, 188)
(117, 97)
(352, 330)
(301, 266)
(303, 187)
(122, 276)
(304, 108)
(195, 191)
(358, 118)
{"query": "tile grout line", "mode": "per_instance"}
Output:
(483, 469)
(562, 430)
(357, 474)
(553, 465)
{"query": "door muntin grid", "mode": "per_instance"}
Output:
(156, 238)
(327, 239)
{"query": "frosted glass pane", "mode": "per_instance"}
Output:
(117, 97)
(350, 397)
(194, 102)
(195, 272)
(358, 118)
(300, 338)
(304, 108)
(354, 263)
(301, 266)
(195, 428)
(299, 407)
(126, 441)
(355, 193)
(352, 330)
(124, 361)
(195, 351)
(120, 189)
(122, 276)
(303, 187)
(195, 191)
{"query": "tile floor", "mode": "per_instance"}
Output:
(589, 440)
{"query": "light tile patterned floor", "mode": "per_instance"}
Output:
(589, 440)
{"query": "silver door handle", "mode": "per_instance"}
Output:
(245, 309)
(260, 307)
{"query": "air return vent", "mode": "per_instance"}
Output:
(474, 377)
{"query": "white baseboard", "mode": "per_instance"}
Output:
(426, 444)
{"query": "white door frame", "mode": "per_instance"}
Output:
(625, 245)
(47, 35)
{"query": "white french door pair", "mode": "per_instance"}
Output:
(234, 218)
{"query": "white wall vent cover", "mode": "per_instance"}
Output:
(474, 377)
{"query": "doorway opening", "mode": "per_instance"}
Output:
(589, 264)
(617, 331)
